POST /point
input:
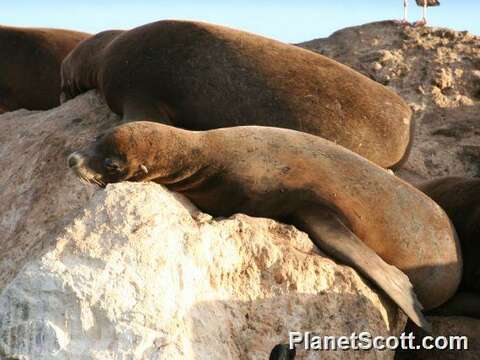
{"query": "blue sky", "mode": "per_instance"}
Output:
(290, 21)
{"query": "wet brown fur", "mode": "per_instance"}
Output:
(30, 60)
(200, 76)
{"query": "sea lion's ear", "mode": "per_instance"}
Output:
(144, 169)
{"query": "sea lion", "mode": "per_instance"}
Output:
(30, 66)
(460, 198)
(352, 209)
(200, 76)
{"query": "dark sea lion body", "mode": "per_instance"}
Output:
(200, 76)
(352, 209)
(30, 60)
(460, 198)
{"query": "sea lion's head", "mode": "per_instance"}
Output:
(79, 69)
(117, 155)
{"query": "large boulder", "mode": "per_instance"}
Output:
(37, 193)
(137, 272)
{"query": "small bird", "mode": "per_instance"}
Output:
(424, 4)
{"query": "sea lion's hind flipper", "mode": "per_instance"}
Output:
(333, 237)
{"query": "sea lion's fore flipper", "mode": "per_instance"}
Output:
(462, 304)
(333, 237)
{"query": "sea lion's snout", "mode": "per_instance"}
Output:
(79, 164)
(74, 160)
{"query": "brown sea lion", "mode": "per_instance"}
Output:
(460, 198)
(30, 63)
(200, 76)
(352, 209)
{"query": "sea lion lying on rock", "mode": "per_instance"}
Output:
(30, 66)
(200, 76)
(353, 210)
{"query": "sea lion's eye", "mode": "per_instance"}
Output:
(111, 164)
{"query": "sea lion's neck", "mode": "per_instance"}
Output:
(91, 58)
(80, 75)
(90, 80)
(180, 160)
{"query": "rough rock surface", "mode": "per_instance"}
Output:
(136, 272)
(450, 326)
(454, 326)
(437, 71)
(37, 193)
